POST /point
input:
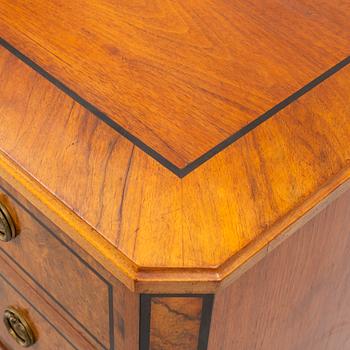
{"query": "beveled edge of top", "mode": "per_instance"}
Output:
(169, 280)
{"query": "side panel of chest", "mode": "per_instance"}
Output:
(295, 298)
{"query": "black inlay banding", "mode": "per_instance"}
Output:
(145, 321)
(180, 172)
(145, 317)
(204, 330)
(98, 275)
(136, 141)
(264, 117)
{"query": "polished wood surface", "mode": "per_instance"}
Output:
(162, 230)
(68, 280)
(57, 270)
(126, 318)
(63, 324)
(295, 298)
(180, 76)
(46, 334)
(175, 323)
(154, 153)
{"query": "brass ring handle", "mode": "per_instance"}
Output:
(18, 327)
(7, 226)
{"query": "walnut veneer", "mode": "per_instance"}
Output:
(176, 174)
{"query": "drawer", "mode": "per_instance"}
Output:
(58, 272)
(45, 334)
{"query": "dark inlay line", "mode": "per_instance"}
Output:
(145, 321)
(264, 117)
(204, 330)
(180, 172)
(136, 141)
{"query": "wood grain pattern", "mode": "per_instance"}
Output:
(172, 229)
(67, 281)
(54, 316)
(181, 76)
(175, 323)
(84, 302)
(295, 298)
(126, 318)
(47, 336)
(89, 298)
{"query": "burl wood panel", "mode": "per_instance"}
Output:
(181, 76)
(235, 203)
(297, 297)
(56, 271)
(175, 323)
(46, 334)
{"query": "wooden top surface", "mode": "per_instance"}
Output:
(155, 229)
(159, 228)
(178, 77)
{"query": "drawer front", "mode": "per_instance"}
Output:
(46, 336)
(63, 276)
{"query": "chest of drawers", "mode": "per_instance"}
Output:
(174, 175)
